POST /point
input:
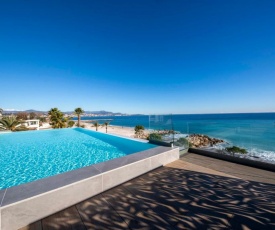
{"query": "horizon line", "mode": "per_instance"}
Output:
(148, 114)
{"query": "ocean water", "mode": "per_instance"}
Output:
(29, 156)
(253, 131)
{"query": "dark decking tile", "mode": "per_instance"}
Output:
(66, 219)
(96, 213)
(175, 198)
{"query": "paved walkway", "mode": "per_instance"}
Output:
(195, 192)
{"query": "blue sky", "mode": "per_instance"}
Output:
(140, 56)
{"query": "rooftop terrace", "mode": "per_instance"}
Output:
(195, 192)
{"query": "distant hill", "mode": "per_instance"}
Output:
(101, 112)
(94, 112)
(34, 111)
(24, 111)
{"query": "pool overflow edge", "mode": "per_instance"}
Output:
(89, 181)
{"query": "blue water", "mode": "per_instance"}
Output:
(29, 156)
(253, 131)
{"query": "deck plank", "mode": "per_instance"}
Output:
(234, 169)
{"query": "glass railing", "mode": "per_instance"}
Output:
(240, 138)
(254, 139)
(255, 136)
(162, 129)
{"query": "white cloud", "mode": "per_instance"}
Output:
(10, 110)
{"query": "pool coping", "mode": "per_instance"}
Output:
(23, 204)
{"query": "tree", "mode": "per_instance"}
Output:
(42, 119)
(71, 123)
(1, 111)
(139, 130)
(57, 119)
(106, 125)
(32, 115)
(78, 112)
(96, 125)
(22, 116)
(9, 123)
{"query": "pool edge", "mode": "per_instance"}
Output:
(14, 215)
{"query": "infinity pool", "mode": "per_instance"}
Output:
(32, 155)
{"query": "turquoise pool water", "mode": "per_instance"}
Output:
(32, 155)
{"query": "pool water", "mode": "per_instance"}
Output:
(32, 155)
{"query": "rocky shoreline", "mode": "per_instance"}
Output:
(200, 140)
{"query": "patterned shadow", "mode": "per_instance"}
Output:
(169, 198)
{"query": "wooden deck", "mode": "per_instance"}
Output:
(233, 169)
(195, 192)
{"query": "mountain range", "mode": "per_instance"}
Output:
(101, 112)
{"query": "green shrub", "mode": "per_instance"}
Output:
(71, 124)
(236, 149)
(182, 142)
(139, 128)
(82, 126)
(155, 136)
(139, 131)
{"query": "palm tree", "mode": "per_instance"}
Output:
(57, 119)
(53, 111)
(9, 123)
(96, 125)
(106, 125)
(59, 122)
(78, 112)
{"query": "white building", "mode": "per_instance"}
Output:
(31, 124)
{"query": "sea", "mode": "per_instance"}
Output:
(253, 131)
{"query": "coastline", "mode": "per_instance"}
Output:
(114, 129)
(126, 131)
(248, 130)
(254, 154)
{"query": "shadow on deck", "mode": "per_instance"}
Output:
(173, 197)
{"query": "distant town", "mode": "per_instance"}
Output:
(68, 113)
